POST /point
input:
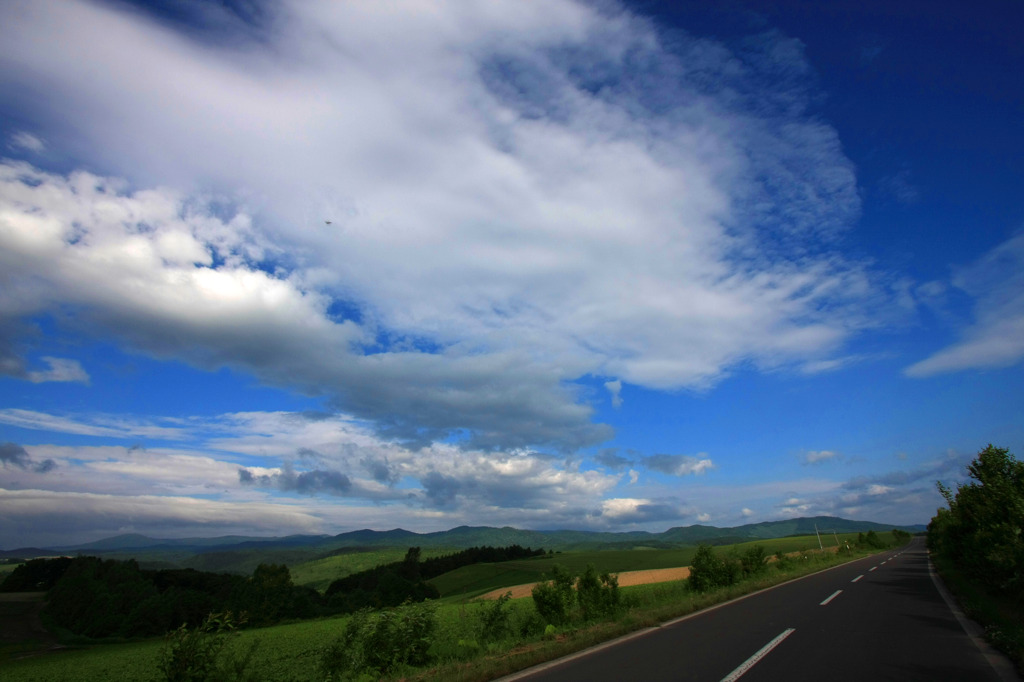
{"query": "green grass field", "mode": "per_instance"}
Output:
(319, 573)
(291, 652)
(471, 581)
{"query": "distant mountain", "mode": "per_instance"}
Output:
(235, 553)
(135, 541)
(469, 536)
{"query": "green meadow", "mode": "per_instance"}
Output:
(472, 581)
(292, 651)
(319, 573)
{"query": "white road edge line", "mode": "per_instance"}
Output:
(834, 595)
(752, 661)
(857, 578)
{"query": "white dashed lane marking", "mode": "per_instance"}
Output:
(752, 661)
(833, 596)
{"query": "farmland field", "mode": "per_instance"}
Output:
(291, 652)
(471, 581)
(319, 573)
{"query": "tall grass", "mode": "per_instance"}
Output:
(1002, 618)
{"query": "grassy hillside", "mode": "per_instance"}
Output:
(237, 554)
(291, 652)
(319, 573)
(480, 578)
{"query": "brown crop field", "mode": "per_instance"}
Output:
(626, 579)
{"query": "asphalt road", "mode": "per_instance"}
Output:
(878, 618)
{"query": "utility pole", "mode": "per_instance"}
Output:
(820, 546)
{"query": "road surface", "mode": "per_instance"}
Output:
(877, 618)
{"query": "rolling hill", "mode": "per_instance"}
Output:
(240, 553)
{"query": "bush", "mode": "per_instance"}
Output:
(197, 654)
(566, 597)
(709, 571)
(495, 620)
(554, 599)
(871, 540)
(597, 596)
(377, 644)
(752, 562)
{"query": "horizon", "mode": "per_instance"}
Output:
(309, 267)
(258, 538)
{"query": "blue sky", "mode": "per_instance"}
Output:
(302, 267)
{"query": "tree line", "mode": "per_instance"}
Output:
(101, 598)
(406, 580)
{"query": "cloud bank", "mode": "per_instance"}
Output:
(439, 219)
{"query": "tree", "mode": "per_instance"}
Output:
(270, 594)
(983, 529)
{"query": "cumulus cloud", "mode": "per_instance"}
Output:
(518, 197)
(306, 482)
(679, 465)
(637, 510)
(996, 338)
(610, 457)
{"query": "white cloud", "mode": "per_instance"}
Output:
(489, 201)
(615, 389)
(747, 512)
(819, 456)
(95, 425)
(996, 338)
(326, 457)
(27, 141)
(679, 465)
(41, 517)
(61, 370)
(704, 518)
(628, 510)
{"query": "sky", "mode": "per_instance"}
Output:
(300, 267)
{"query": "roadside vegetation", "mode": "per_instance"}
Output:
(977, 545)
(454, 637)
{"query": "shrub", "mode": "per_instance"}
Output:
(872, 540)
(598, 596)
(377, 644)
(554, 599)
(709, 571)
(753, 561)
(495, 620)
(198, 654)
